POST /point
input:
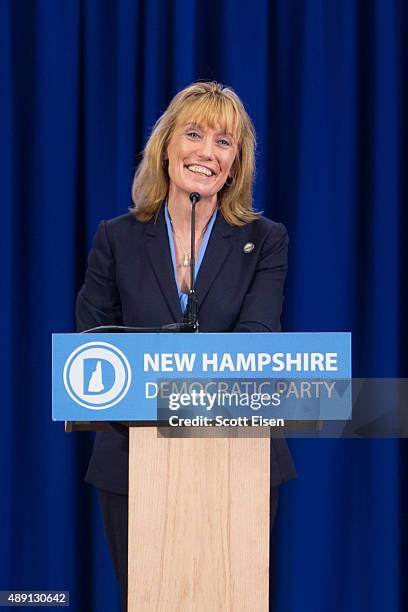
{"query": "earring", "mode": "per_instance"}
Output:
(229, 182)
(165, 163)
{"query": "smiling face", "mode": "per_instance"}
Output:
(200, 159)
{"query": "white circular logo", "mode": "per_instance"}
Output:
(97, 375)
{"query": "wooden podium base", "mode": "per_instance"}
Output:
(198, 523)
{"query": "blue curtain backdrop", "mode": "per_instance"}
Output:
(325, 82)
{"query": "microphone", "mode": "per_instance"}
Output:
(192, 303)
(194, 197)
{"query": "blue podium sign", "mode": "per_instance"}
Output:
(129, 377)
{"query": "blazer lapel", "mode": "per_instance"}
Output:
(218, 247)
(158, 249)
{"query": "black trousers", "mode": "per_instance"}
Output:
(115, 522)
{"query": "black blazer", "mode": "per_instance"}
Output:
(130, 281)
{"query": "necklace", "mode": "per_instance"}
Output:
(186, 256)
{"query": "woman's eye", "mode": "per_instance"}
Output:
(193, 134)
(224, 141)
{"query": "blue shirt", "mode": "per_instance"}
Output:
(183, 297)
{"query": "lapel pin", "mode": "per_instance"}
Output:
(248, 247)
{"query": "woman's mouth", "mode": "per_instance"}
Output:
(199, 170)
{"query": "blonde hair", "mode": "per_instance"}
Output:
(212, 104)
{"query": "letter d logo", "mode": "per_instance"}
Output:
(97, 375)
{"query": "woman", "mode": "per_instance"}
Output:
(138, 272)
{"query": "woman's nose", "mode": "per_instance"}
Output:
(206, 148)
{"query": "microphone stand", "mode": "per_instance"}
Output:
(126, 329)
(191, 319)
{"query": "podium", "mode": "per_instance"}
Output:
(199, 505)
(198, 523)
